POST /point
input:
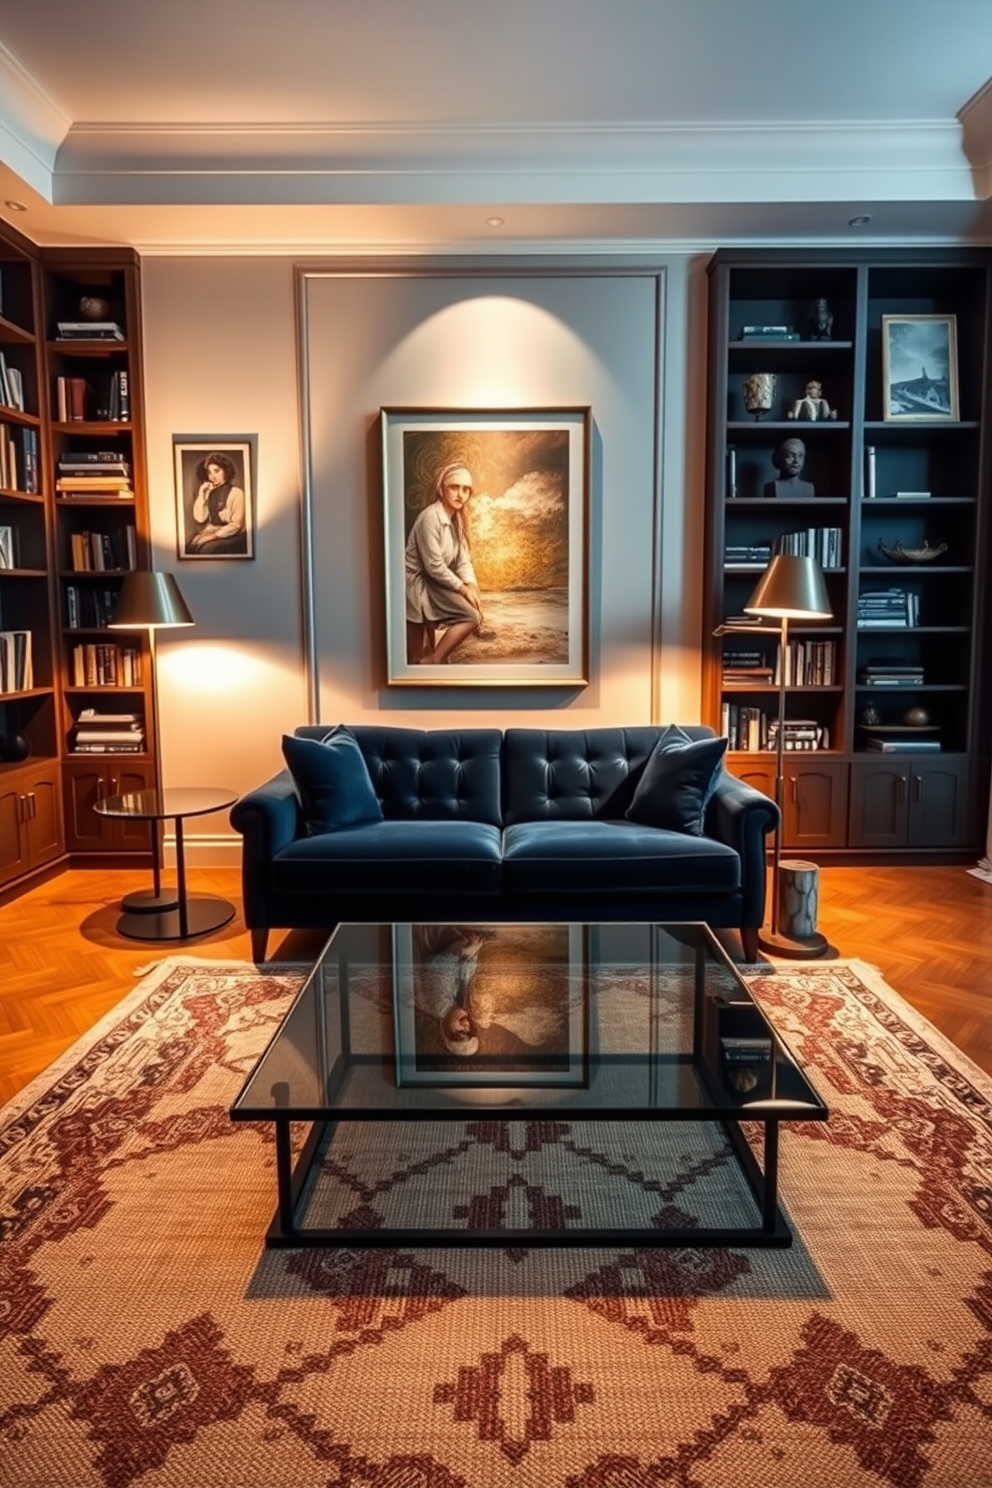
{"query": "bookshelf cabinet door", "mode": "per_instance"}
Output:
(13, 839)
(130, 836)
(938, 804)
(85, 784)
(879, 804)
(44, 823)
(815, 803)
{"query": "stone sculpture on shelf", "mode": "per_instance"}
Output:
(789, 459)
(821, 321)
(758, 392)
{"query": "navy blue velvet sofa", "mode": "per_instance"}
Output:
(484, 824)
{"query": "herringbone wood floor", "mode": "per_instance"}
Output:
(62, 964)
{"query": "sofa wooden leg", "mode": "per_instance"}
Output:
(259, 941)
(749, 941)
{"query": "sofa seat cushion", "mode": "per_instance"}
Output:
(614, 857)
(387, 857)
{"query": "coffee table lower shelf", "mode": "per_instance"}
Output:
(284, 1233)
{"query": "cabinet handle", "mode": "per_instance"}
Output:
(22, 808)
(917, 787)
(33, 806)
(903, 782)
(113, 785)
(793, 789)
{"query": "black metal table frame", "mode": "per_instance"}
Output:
(291, 1178)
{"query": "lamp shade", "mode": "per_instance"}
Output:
(791, 588)
(149, 601)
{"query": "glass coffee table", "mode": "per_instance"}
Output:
(543, 1026)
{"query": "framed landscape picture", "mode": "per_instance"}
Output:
(486, 517)
(489, 1007)
(215, 495)
(920, 369)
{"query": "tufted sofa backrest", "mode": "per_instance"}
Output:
(575, 774)
(429, 774)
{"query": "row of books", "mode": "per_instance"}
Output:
(750, 729)
(18, 459)
(807, 664)
(747, 555)
(87, 607)
(821, 543)
(16, 665)
(883, 609)
(77, 400)
(103, 664)
(108, 733)
(96, 551)
(11, 385)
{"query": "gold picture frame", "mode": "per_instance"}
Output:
(494, 593)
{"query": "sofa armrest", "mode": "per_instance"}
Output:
(268, 819)
(742, 817)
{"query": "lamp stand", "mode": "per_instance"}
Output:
(773, 942)
(157, 900)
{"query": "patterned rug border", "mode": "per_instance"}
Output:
(154, 973)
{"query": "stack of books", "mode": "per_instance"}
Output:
(884, 674)
(908, 743)
(888, 609)
(798, 734)
(109, 733)
(94, 473)
(89, 330)
(743, 555)
(747, 667)
(768, 333)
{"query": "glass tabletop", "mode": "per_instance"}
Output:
(595, 1020)
(172, 801)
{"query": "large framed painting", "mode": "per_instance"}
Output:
(486, 516)
(487, 1007)
(920, 369)
(215, 495)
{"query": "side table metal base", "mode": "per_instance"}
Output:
(146, 901)
(204, 913)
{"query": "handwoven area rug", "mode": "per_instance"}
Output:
(147, 1338)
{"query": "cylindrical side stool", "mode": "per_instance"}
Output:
(798, 898)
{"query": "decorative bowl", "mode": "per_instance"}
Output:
(924, 554)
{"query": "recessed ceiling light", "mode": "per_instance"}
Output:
(494, 222)
(15, 206)
(858, 221)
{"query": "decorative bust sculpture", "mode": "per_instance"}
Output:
(813, 405)
(789, 459)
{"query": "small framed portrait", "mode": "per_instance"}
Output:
(920, 369)
(485, 1007)
(215, 495)
(486, 546)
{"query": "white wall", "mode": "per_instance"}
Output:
(221, 359)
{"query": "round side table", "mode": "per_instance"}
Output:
(191, 915)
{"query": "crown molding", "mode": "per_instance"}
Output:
(976, 125)
(32, 126)
(520, 163)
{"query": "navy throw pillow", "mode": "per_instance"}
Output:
(677, 782)
(333, 781)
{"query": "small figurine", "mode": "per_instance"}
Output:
(821, 322)
(813, 405)
(758, 391)
(789, 459)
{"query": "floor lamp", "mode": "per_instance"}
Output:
(151, 601)
(791, 588)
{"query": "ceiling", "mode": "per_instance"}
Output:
(329, 126)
